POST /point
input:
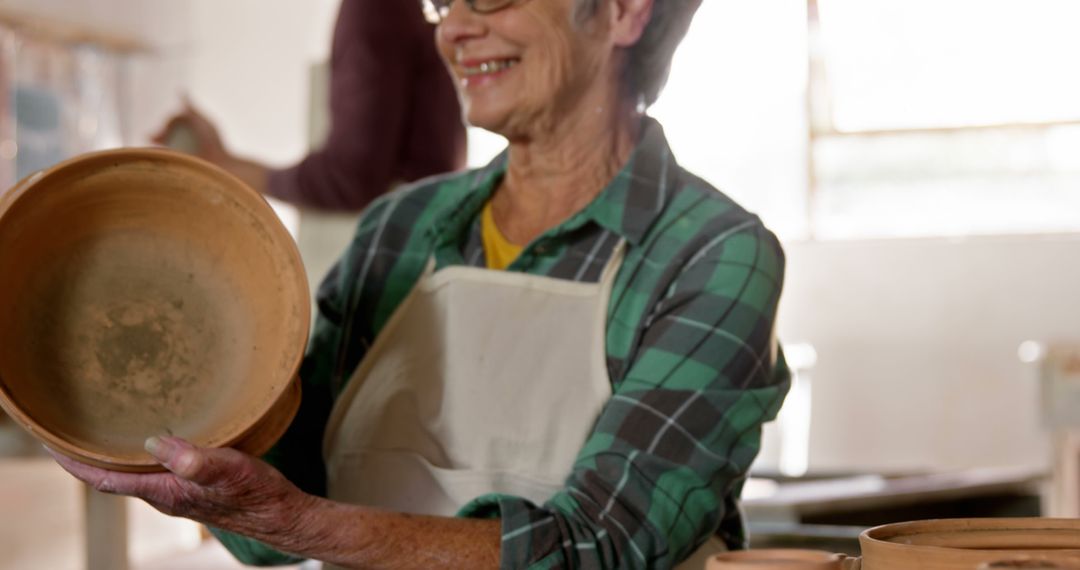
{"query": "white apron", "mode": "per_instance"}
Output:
(481, 382)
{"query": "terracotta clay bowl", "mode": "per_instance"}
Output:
(146, 292)
(967, 544)
(776, 559)
(1044, 563)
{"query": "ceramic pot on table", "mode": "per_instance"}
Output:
(780, 559)
(972, 544)
(1047, 563)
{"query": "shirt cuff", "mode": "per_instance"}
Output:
(528, 532)
(284, 184)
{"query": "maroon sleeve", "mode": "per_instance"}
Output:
(394, 114)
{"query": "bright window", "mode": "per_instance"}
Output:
(917, 73)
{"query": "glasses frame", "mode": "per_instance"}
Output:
(435, 11)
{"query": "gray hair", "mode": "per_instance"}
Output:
(649, 64)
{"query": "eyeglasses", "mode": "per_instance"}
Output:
(435, 11)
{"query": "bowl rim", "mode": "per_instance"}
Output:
(275, 228)
(882, 537)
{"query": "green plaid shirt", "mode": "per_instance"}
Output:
(690, 347)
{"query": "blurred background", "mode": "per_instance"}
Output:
(920, 160)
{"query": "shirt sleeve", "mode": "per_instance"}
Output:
(382, 51)
(671, 448)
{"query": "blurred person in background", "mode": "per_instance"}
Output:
(560, 360)
(394, 116)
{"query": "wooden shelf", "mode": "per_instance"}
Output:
(52, 30)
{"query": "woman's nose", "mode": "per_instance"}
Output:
(460, 24)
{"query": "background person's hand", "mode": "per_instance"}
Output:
(192, 132)
(223, 488)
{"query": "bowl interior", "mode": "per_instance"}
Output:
(145, 293)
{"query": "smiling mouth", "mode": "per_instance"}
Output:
(486, 67)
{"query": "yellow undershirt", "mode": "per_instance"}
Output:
(499, 251)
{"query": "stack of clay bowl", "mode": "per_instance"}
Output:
(144, 293)
(973, 544)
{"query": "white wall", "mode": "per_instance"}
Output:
(248, 65)
(733, 108)
(917, 346)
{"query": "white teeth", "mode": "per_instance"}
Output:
(492, 66)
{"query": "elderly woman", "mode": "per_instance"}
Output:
(562, 359)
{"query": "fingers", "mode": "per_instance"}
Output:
(105, 481)
(190, 117)
(83, 472)
(202, 466)
(179, 456)
(221, 487)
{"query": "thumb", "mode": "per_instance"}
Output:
(183, 459)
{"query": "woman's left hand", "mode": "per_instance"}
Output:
(223, 488)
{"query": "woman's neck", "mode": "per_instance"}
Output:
(552, 176)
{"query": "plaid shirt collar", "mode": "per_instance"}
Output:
(628, 206)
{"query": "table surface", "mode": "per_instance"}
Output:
(790, 500)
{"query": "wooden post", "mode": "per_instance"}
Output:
(105, 526)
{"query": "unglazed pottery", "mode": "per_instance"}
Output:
(146, 292)
(969, 544)
(1047, 563)
(776, 559)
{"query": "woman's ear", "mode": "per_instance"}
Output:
(629, 18)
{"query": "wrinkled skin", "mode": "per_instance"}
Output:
(234, 491)
(218, 487)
